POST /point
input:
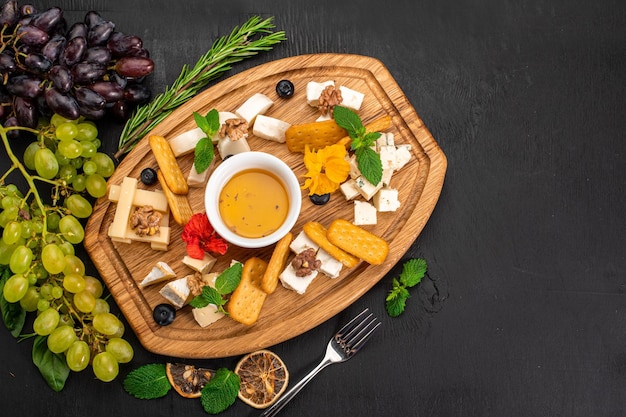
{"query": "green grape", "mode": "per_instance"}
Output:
(46, 321)
(77, 162)
(105, 164)
(121, 349)
(4, 219)
(67, 248)
(89, 149)
(105, 366)
(73, 265)
(74, 283)
(77, 356)
(10, 201)
(89, 168)
(6, 251)
(39, 271)
(21, 258)
(46, 291)
(79, 206)
(53, 258)
(27, 229)
(29, 155)
(37, 225)
(12, 232)
(66, 131)
(119, 332)
(79, 183)
(87, 131)
(46, 163)
(94, 286)
(15, 288)
(61, 339)
(84, 301)
(72, 230)
(67, 173)
(62, 159)
(43, 305)
(97, 142)
(32, 278)
(52, 221)
(29, 301)
(70, 148)
(106, 323)
(101, 307)
(56, 292)
(57, 120)
(96, 185)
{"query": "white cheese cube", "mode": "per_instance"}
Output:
(366, 188)
(314, 90)
(385, 139)
(252, 107)
(349, 189)
(354, 167)
(301, 243)
(387, 174)
(186, 142)
(209, 279)
(403, 156)
(330, 267)
(295, 283)
(203, 265)
(350, 98)
(364, 213)
(388, 156)
(207, 315)
(177, 292)
(159, 273)
(196, 179)
(270, 128)
(386, 200)
(227, 147)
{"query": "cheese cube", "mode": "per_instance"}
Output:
(301, 243)
(354, 167)
(387, 174)
(324, 117)
(385, 139)
(270, 128)
(349, 189)
(386, 200)
(207, 315)
(117, 229)
(350, 98)
(366, 188)
(203, 265)
(227, 147)
(314, 90)
(364, 213)
(295, 283)
(159, 273)
(330, 267)
(195, 179)
(177, 292)
(388, 156)
(186, 142)
(156, 198)
(253, 106)
(403, 156)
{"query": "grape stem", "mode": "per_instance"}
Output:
(223, 53)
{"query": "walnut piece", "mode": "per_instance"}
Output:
(195, 283)
(145, 221)
(305, 263)
(235, 129)
(329, 98)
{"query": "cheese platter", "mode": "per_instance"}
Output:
(285, 314)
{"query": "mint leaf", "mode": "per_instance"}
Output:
(349, 120)
(220, 392)
(201, 122)
(213, 120)
(147, 382)
(370, 138)
(52, 366)
(203, 154)
(396, 305)
(369, 164)
(413, 271)
(228, 280)
(209, 295)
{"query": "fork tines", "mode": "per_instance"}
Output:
(357, 331)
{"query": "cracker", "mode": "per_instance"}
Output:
(315, 134)
(167, 163)
(276, 264)
(317, 233)
(178, 204)
(247, 300)
(358, 241)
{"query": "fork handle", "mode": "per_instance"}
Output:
(288, 396)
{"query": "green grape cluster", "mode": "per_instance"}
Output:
(38, 246)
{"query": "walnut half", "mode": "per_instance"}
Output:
(145, 221)
(305, 263)
(329, 98)
(235, 129)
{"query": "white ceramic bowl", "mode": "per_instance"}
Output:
(240, 162)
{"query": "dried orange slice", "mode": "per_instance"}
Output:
(188, 380)
(264, 377)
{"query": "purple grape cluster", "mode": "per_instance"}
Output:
(89, 69)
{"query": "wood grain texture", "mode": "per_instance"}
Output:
(285, 313)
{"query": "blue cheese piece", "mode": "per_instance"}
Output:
(350, 98)
(301, 243)
(385, 139)
(314, 90)
(270, 128)
(291, 281)
(366, 188)
(403, 156)
(386, 200)
(253, 106)
(177, 292)
(206, 316)
(388, 156)
(203, 265)
(387, 174)
(364, 213)
(349, 189)
(159, 273)
(330, 266)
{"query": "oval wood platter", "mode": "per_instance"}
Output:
(285, 314)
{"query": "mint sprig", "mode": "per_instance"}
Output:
(147, 382)
(220, 392)
(225, 283)
(367, 159)
(412, 273)
(204, 152)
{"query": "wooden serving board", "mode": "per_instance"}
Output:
(285, 314)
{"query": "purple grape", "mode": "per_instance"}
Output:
(48, 19)
(78, 29)
(24, 86)
(99, 34)
(52, 49)
(92, 114)
(109, 90)
(42, 106)
(137, 94)
(27, 10)
(93, 18)
(32, 35)
(12, 122)
(121, 110)
(26, 112)
(117, 79)
(61, 78)
(88, 72)
(7, 62)
(62, 104)
(134, 66)
(125, 45)
(97, 54)
(73, 51)
(87, 98)
(37, 63)
(9, 13)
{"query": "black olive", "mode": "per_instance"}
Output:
(320, 199)
(148, 176)
(164, 314)
(284, 88)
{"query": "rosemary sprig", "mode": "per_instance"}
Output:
(224, 52)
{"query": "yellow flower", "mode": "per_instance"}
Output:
(327, 169)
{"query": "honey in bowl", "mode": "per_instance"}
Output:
(253, 203)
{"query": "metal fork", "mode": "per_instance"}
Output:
(344, 345)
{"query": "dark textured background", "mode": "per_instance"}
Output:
(523, 312)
